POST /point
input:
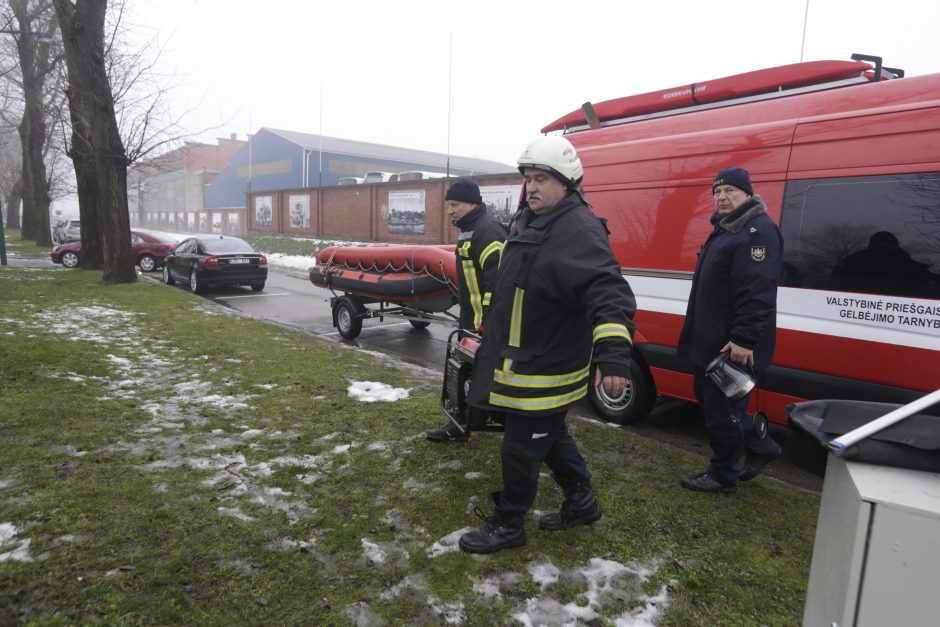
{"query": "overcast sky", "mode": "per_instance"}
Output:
(384, 67)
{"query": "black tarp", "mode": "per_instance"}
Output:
(911, 443)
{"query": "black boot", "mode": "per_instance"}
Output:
(449, 433)
(580, 507)
(502, 530)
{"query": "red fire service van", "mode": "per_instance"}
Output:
(846, 155)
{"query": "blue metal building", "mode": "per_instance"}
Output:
(277, 160)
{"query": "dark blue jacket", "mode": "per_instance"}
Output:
(734, 289)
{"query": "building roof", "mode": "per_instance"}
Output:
(435, 160)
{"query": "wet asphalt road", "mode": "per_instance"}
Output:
(290, 299)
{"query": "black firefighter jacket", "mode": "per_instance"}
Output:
(478, 248)
(734, 289)
(559, 297)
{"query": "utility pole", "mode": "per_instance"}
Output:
(805, 20)
(450, 72)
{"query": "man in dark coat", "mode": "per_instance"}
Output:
(560, 301)
(478, 249)
(733, 307)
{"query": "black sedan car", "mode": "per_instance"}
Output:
(211, 260)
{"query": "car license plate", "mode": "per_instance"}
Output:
(239, 260)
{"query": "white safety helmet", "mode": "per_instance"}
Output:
(554, 154)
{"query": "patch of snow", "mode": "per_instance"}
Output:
(447, 544)
(235, 512)
(19, 548)
(373, 552)
(372, 391)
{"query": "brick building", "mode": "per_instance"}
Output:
(292, 184)
(173, 184)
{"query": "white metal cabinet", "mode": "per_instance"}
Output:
(876, 560)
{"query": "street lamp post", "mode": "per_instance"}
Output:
(3, 238)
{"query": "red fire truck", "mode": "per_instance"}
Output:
(846, 155)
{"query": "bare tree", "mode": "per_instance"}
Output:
(33, 35)
(97, 150)
(11, 162)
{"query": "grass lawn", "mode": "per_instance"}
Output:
(166, 461)
(17, 246)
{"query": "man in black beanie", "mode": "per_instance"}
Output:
(733, 307)
(478, 250)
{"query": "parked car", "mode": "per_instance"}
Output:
(149, 250)
(212, 260)
(379, 177)
(419, 175)
(67, 231)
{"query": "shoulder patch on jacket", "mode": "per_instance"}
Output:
(753, 229)
(758, 253)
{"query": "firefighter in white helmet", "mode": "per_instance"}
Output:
(559, 303)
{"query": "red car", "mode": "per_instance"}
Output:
(149, 249)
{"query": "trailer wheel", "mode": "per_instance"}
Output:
(636, 403)
(420, 324)
(346, 317)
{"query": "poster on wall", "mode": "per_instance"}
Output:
(501, 200)
(191, 222)
(406, 212)
(299, 212)
(263, 214)
(171, 223)
(203, 222)
(217, 222)
(233, 224)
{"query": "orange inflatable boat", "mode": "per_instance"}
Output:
(421, 277)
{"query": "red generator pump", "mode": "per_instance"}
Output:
(462, 346)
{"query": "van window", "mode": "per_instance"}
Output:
(873, 234)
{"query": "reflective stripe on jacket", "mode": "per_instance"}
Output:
(559, 298)
(478, 249)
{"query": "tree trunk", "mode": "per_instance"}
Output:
(97, 150)
(13, 205)
(35, 192)
(34, 65)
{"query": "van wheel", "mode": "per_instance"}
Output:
(346, 317)
(635, 404)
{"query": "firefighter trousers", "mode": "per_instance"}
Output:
(730, 430)
(529, 441)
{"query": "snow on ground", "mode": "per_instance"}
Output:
(371, 391)
(236, 467)
(293, 262)
(12, 548)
